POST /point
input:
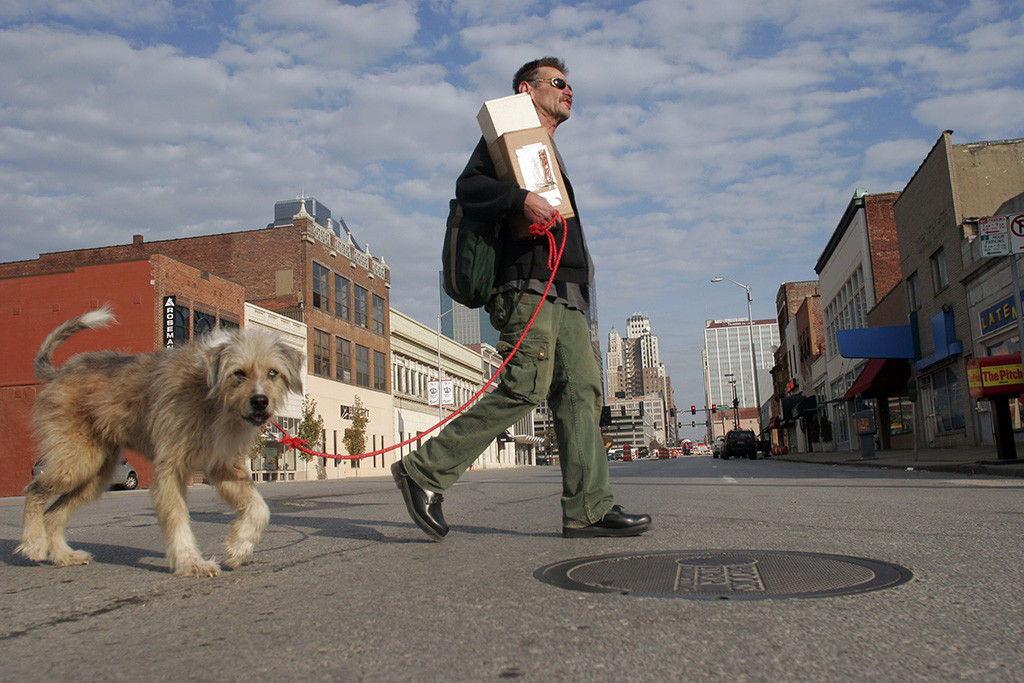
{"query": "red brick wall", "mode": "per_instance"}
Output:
(884, 242)
(32, 306)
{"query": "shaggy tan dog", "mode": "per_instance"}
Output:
(196, 407)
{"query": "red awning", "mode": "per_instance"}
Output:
(773, 423)
(879, 375)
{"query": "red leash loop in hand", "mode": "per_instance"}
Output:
(537, 230)
(554, 258)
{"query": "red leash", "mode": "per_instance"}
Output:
(554, 258)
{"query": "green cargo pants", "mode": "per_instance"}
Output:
(556, 360)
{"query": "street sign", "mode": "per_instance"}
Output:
(1015, 223)
(992, 231)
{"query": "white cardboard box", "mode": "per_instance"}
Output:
(506, 115)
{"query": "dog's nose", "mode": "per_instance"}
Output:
(259, 402)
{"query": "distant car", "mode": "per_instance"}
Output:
(716, 446)
(740, 443)
(615, 453)
(125, 476)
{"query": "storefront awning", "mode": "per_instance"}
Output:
(796, 406)
(878, 376)
(773, 423)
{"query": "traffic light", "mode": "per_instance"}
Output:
(693, 424)
(693, 410)
(713, 407)
(735, 403)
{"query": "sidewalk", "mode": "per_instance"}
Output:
(978, 460)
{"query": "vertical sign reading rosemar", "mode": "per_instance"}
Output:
(169, 304)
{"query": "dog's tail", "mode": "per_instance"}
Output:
(42, 367)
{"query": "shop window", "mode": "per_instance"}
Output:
(359, 306)
(378, 314)
(939, 277)
(901, 415)
(202, 323)
(321, 353)
(321, 295)
(949, 403)
(182, 323)
(362, 366)
(380, 368)
(343, 359)
(342, 294)
(913, 292)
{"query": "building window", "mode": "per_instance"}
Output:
(949, 403)
(321, 353)
(321, 295)
(913, 292)
(343, 359)
(202, 323)
(359, 306)
(342, 292)
(380, 369)
(226, 324)
(378, 314)
(362, 366)
(939, 277)
(901, 415)
(182, 323)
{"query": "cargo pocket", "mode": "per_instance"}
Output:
(528, 374)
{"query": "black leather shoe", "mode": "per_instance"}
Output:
(614, 523)
(424, 506)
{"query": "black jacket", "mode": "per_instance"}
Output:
(484, 197)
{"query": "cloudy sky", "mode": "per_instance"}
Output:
(707, 139)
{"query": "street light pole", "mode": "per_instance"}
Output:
(750, 336)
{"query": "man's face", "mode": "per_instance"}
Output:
(551, 103)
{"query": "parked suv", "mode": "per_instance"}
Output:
(739, 442)
(125, 476)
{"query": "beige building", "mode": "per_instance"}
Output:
(415, 354)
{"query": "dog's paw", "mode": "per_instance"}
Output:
(71, 558)
(35, 550)
(199, 568)
(237, 555)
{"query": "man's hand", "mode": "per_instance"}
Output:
(537, 209)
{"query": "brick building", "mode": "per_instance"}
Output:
(300, 269)
(858, 268)
(32, 304)
(937, 216)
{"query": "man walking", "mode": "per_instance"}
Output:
(555, 361)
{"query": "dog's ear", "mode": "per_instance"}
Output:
(294, 360)
(212, 355)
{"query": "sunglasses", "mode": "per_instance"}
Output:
(559, 83)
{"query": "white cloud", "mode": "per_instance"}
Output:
(724, 136)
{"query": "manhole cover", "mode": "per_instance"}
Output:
(724, 574)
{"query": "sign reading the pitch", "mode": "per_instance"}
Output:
(169, 304)
(995, 376)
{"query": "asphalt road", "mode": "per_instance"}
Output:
(345, 588)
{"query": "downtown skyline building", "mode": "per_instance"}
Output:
(635, 371)
(727, 348)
